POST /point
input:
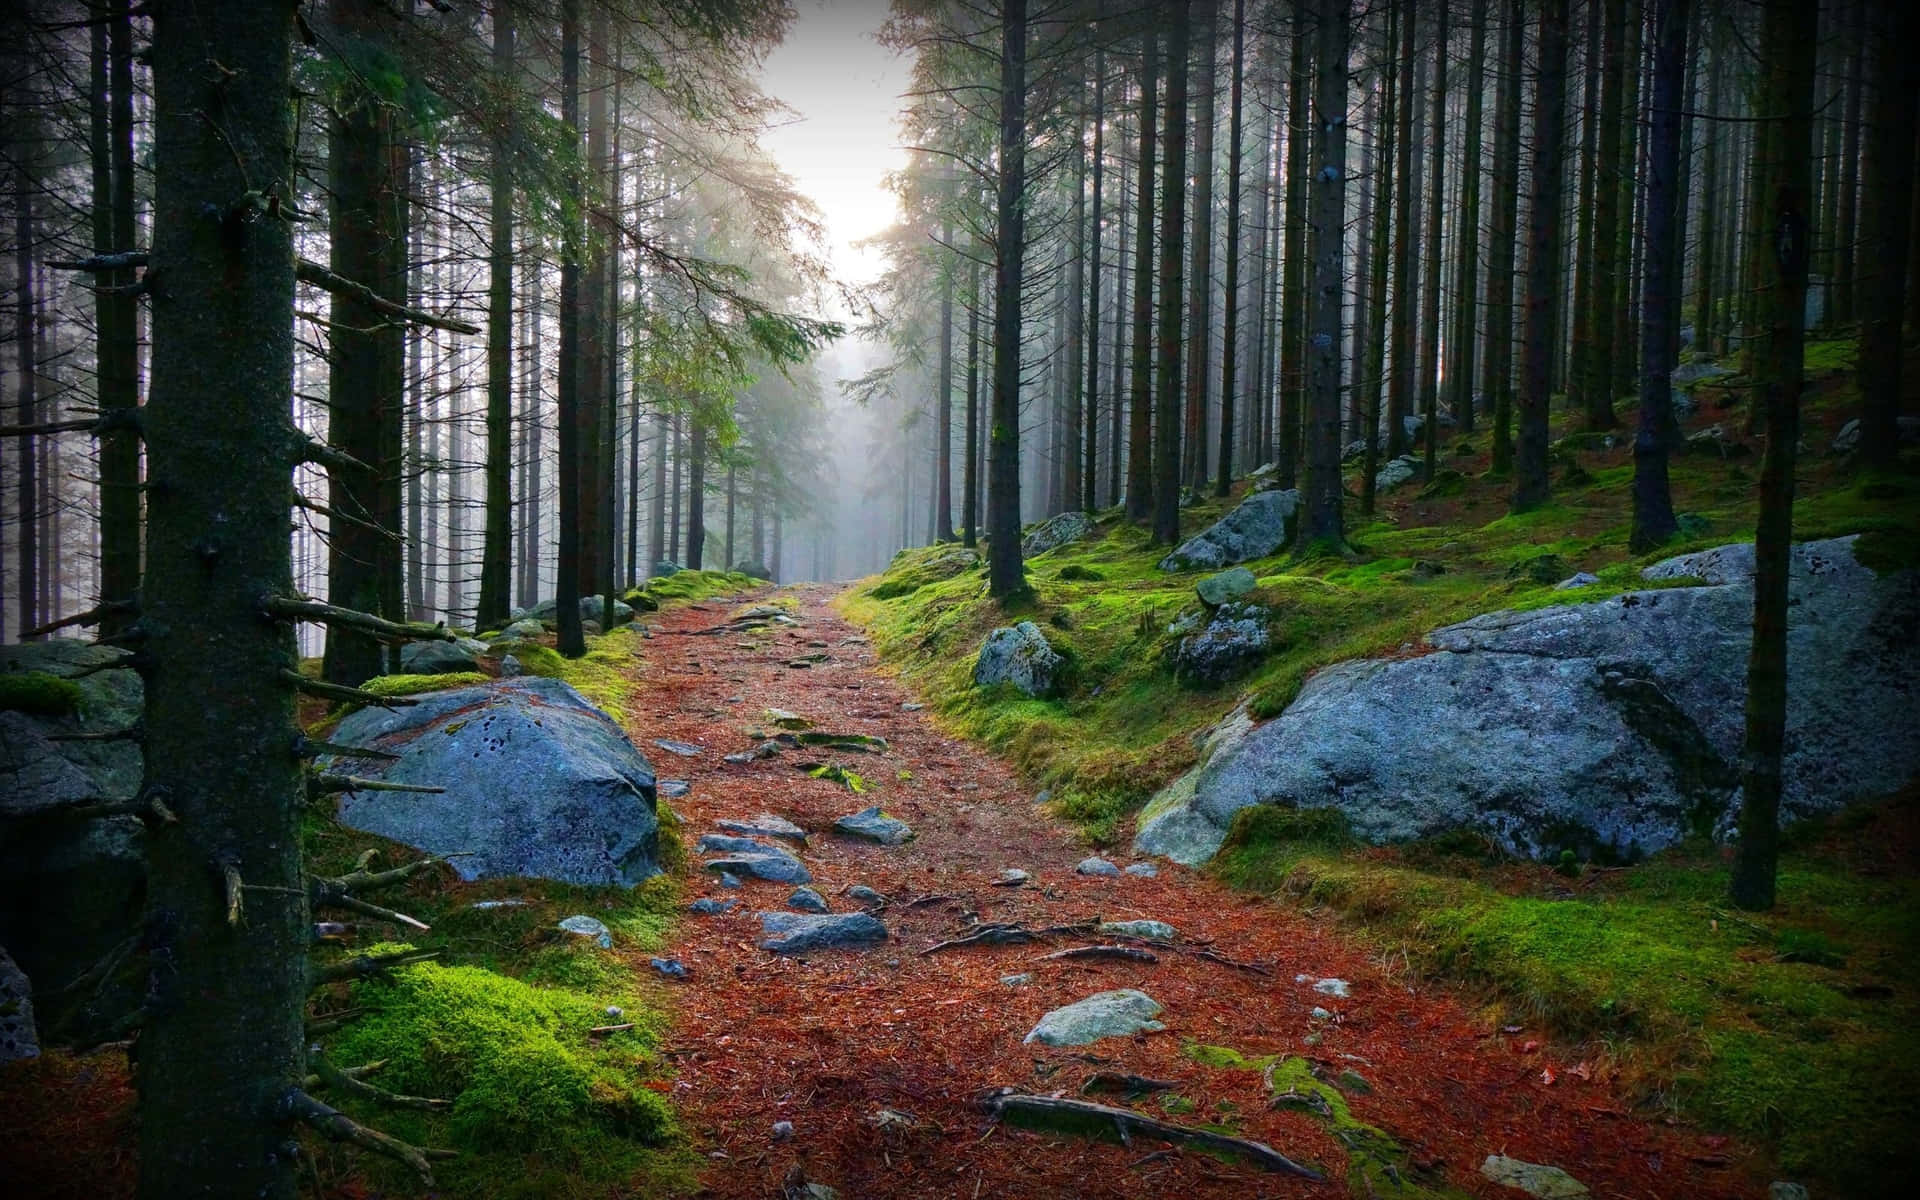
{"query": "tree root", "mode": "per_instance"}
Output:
(322, 889)
(337, 1126)
(347, 1080)
(1054, 1112)
(1134, 953)
(1004, 934)
(368, 965)
(1132, 1085)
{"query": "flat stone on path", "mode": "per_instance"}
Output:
(1103, 1015)
(875, 826)
(1158, 930)
(798, 933)
(720, 843)
(709, 906)
(1142, 870)
(672, 789)
(683, 749)
(807, 900)
(1096, 866)
(1546, 1183)
(778, 867)
(1011, 877)
(766, 825)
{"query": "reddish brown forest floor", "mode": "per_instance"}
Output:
(827, 1041)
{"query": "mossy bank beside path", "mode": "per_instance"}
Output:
(866, 1069)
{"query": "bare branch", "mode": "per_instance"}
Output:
(347, 1079)
(286, 608)
(308, 271)
(366, 966)
(333, 691)
(324, 784)
(1042, 1109)
(336, 1126)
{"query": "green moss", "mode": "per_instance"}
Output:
(535, 658)
(1076, 573)
(413, 685)
(513, 1057)
(38, 693)
(690, 587)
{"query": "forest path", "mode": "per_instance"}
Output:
(829, 1040)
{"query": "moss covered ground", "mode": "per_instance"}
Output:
(1794, 1029)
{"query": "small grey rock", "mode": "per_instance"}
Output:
(589, 927)
(1543, 1182)
(782, 1130)
(1011, 877)
(1021, 656)
(1142, 870)
(720, 843)
(1320, 1014)
(1781, 1189)
(683, 749)
(1216, 590)
(807, 900)
(1156, 930)
(799, 933)
(712, 907)
(910, 706)
(1096, 866)
(1102, 1015)
(1337, 988)
(865, 894)
(490, 905)
(1043, 796)
(672, 789)
(777, 867)
(510, 667)
(875, 826)
(1353, 1081)
(729, 880)
(1576, 580)
(766, 825)
(672, 968)
(1021, 979)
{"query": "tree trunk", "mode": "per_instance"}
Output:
(1090, 446)
(697, 496)
(1466, 290)
(118, 323)
(1625, 261)
(1200, 277)
(1580, 348)
(1436, 214)
(492, 610)
(1230, 327)
(1504, 232)
(1787, 46)
(1173, 215)
(1076, 325)
(1293, 299)
(1711, 197)
(221, 1048)
(1543, 255)
(1653, 519)
(27, 509)
(1404, 254)
(571, 640)
(1598, 384)
(657, 519)
(1886, 232)
(366, 392)
(970, 501)
(1116, 411)
(1321, 523)
(1140, 387)
(943, 406)
(591, 384)
(1005, 573)
(1382, 257)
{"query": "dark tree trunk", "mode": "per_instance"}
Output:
(1404, 254)
(1382, 257)
(1173, 215)
(1116, 411)
(1293, 298)
(1598, 386)
(1466, 296)
(1626, 299)
(1200, 277)
(1653, 519)
(1321, 524)
(1230, 327)
(697, 496)
(1005, 574)
(221, 1050)
(590, 415)
(494, 553)
(367, 161)
(1436, 218)
(1787, 46)
(1842, 309)
(1707, 271)
(679, 444)
(571, 640)
(118, 323)
(1886, 212)
(1140, 387)
(943, 408)
(657, 519)
(1530, 488)
(27, 508)
(1077, 321)
(1504, 232)
(970, 501)
(1090, 447)
(1580, 348)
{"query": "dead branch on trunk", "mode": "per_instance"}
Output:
(1133, 953)
(338, 1127)
(360, 879)
(366, 908)
(311, 450)
(333, 691)
(288, 608)
(366, 966)
(1055, 1112)
(322, 784)
(92, 616)
(347, 1080)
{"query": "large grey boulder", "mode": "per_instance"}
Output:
(802, 933)
(1234, 641)
(1613, 727)
(1103, 1015)
(1395, 472)
(441, 658)
(592, 608)
(1258, 526)
(1019, 655)
(539, 783)
(1056, 531)
(92, 873)
(524, 629)
(18, 1038)
(873, 825)
(1216, 590)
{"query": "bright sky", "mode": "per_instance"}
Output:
(844, 89)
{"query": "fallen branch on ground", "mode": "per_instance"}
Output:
(1133, 953)
(1005, 934)
(368, 965)
(347, 1079)
(1125, 1123)
(338, 1127)
(1133, 1085)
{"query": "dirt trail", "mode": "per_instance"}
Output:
(829, 1040)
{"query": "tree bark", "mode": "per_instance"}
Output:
(498, 537)
(1293, 298)
(1322, 525)
(1886, 232)
(1436, 214)
(1382, 229)
(1531, 488)
(697, 496)
(221, 1048)
(1140, 387)
(27, 507)
(1653, 518)
(1200, 276)
(1230, 327)
(571, 640)
(1466, 293)
(1399, 402)
(1173, 212)
(970, 483)
(117, 320)
(1006, 575)
(1090, 445)
(1504, 232)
